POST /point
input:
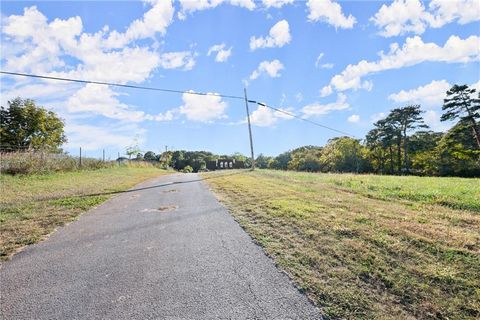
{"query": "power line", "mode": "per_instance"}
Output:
(120, 85)
(176, 91)
(300, 118)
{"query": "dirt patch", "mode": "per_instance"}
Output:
(168, 191)
(161, 209)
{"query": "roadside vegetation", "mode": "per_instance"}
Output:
(363, 246)
(32, 206)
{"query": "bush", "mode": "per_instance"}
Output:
(187, 169)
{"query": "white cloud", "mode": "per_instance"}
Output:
(101, 100)
(222, 53)
(190, 6)
(330, 12)
(317, 109)
(276, 3)
(326, 91)
(414, 51)
(180, 59)
(203, 108)
(270, 68)
(90, 137)
(266, 117)
(279, 36)
(323, 65)
(404, 16)
(432, 119)
(155, 20)
(317, 61)
(354, 118)
(377, 116)
(431, 94)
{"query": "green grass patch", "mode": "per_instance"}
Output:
(364, 246)
(32, 206)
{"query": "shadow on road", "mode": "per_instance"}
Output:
(168, 184)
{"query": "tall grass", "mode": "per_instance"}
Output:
(39, 162)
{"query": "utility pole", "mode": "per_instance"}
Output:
(103, 155)
(249, 128)
(80, 165)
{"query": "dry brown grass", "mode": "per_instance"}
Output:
(360, 255)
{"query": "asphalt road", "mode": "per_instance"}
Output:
(168, 251)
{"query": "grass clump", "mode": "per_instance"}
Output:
(367, 247)
(32, 206)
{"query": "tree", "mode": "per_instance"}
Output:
(406, 119)
(150, 156)
(26, 125)
(460, 103)
(457, 153)
(342, 154)
(262, 161)
(422, 148)
(281, 161)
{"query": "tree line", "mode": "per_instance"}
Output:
(400, 144)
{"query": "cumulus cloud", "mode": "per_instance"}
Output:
(270, 68)
(155, 20)
(414, 51)
(354, 118)
(411, 16)
(189, 6)
(222, 54)
(203, 108)
(101, 100)
(431, 94)
(317, 109)
(61, 47)
(276, 3)
(278, 36)
(266, 117)
(180, 59)
(330, 12)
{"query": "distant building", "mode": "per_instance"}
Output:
(221, 164)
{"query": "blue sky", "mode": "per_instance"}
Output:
(342, 64)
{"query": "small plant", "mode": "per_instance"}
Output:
(187, 169)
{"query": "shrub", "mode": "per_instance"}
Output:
(187, 169)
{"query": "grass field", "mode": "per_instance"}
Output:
(33, 206)
(363, 246)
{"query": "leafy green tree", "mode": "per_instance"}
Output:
(150, 156)
(457, 152)
(262, 161)
(406, 119)
(422, 148)
(281, 161)
(23, 125)
(381, 141)
(460, 103)
(306, 158)
(343, 154)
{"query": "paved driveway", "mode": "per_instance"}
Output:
(168, 250)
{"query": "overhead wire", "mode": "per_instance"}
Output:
(175, 91)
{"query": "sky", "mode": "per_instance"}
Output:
(343, 64)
